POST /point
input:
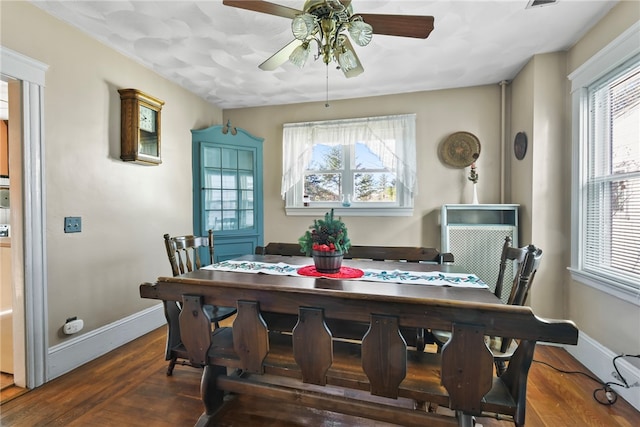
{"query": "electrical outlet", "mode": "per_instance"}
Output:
(73, 326)
(615, 375)
(72, 224)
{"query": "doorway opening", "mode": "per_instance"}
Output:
(25, 82)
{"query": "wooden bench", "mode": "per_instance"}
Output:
(375, 253)
(378, 377)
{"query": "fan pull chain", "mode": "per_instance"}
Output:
(326, 104)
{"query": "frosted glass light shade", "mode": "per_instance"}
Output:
(299, 55)
(303, 26)
(360, 32)
(347, 60)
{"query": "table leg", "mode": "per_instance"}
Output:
(212, 397)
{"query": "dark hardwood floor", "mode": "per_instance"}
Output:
(8, 390)
(129, 387)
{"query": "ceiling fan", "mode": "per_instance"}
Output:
(326, 23)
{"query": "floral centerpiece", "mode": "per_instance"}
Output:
(327, 241)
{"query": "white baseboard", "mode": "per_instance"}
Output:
(71, 354)
(67, 356)
(599, 360)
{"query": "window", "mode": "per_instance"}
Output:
(227, 187)
(362, 164)
(606, 185)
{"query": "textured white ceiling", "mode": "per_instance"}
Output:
(214, 50)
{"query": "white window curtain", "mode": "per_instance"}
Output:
(392, 138)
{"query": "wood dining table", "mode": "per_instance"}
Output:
(225, 288)
(383, 317)
(210, 282)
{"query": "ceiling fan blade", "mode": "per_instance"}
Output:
(280, 57)
(399, 25)
(357, 70)
(264, 7)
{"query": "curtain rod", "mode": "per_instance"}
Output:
(355, 120)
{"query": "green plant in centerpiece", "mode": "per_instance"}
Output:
(325, 235)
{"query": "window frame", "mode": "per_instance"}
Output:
(623, 51)
(403, 206)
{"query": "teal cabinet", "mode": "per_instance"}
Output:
(227, 189)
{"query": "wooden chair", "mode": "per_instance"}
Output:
(527, 260)
(184, 256)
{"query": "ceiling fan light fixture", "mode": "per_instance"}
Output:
(299, 55)
(335, 29)
(303, 26)
(360, 32)
(347, 60)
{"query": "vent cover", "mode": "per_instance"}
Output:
(540, 3)
(477, 248)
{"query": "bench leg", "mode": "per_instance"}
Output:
(212, 397)
(464, 420)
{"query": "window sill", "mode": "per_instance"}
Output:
(350, 211)
(619, 290)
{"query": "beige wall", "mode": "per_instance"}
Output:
(522, 95)
(549, 202)
(538, 98)
(611, 321)
(438, 114)
(125, 208)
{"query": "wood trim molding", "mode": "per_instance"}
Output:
(598, 359)
(79, 350)
(31, 243)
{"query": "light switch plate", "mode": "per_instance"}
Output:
(72, 224)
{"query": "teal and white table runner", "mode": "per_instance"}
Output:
(435, 278)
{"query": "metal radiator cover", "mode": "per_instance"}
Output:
(477, 248)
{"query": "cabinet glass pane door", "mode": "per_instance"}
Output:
(228, 188)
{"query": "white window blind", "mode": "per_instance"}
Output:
(611, 191)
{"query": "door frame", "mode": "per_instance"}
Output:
(229, 243)
(30, 305)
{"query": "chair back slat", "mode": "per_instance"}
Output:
(528, 260)
(509, 253)
(526, 273)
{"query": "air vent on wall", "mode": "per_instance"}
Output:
(540, 3)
